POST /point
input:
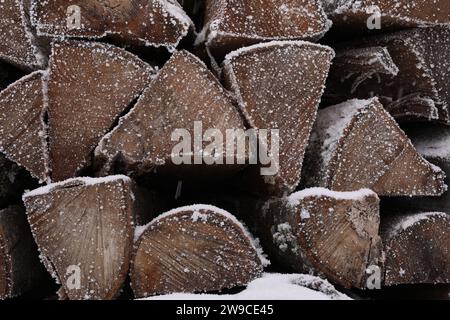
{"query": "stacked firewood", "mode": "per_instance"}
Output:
(95, 97)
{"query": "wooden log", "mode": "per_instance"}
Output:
(18, 43)
(350, 16)
(357, 145)
(417, 248)
(84, 229)
(20, 268)
(432, 142)
(418, 91)
(23, 131)
(184, 94)
(90, 86)
(232, 24)
(332, 234)
(156, 23)
(278, 86)
(193, 249)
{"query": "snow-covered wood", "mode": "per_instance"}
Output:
(183, 93)
(231, 24)
(20, 269)
(418, 91)
(194, 249)
(156, 23)
(278, 85)
(417, 248)
(90, 85)
(23, 131)
(17, 41)
(84, 228)
(357, 145)
(333, 234)
(272, 286)
(349, 16)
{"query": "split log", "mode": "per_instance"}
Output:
(232, 24)
(408, 70)
(193, 249)
(18, 44)
(432, 142)
(417, 248)
(90, 85)
(184, 93)
(157, 23)
(357, 145)
(332, 234)
(350, 16)
(23, 131)
(84, 228)
(20, 269)
(278, 86)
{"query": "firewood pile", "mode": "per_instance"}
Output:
(162, 147)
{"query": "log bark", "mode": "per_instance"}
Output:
(184, 93)
(417, 248)
(157, 23)
(418, 91)
(230, 25)
(84, 227)
(20, 268)
(357, 145)
(332, 234)
(23, 131)
(18, 43)
(90, 86)
(350, 16)
(193, 249)
(278, 86)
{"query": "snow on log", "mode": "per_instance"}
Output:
(193, 249)
(232, 24)
(23, 131)
(412, 82)
(349, 16)
(278, 85)
(20, 269)
(417, 248)
(272, 286)
(17, 45)
(90, 85)
(137, 22)
(84, 228)
(357, 145)
(333, 234)
(184, 96)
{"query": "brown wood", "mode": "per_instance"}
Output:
(332, 234)
(231, 24)
(90, 85)
(357, 145)
(86, 223)
(418, 91)
(351, 16)
(9, 74)
(138, 22)
(417, 248)
(20, 268)
(278, 86)
(183, 92)
(23, 131)
(193, 249)
(432, 142)
(18, 43)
